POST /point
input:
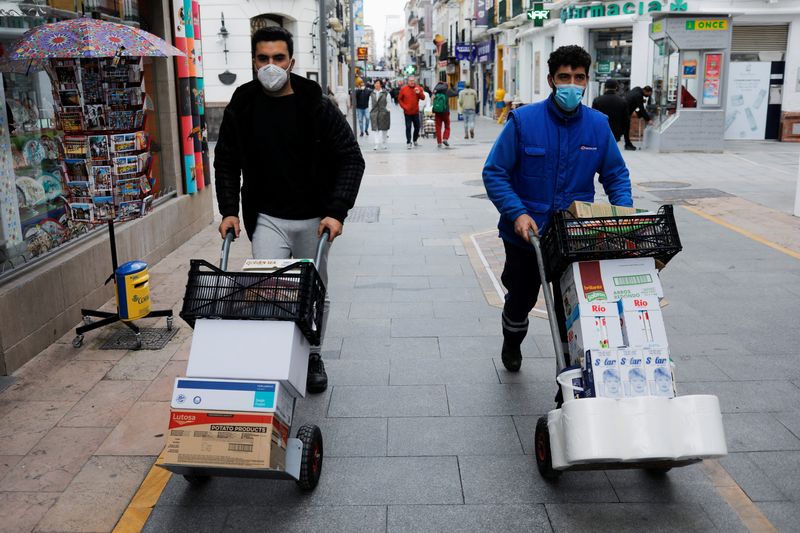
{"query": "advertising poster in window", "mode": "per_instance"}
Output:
(712, 71)
(746, 112)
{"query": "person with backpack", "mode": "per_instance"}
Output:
(441, 113)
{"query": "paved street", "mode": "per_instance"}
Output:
(424, 429)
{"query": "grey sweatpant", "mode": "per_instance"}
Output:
(278, 238)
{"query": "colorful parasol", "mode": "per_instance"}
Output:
(88, 37)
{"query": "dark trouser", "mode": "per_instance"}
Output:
(412, 119)
(627, 133)
(521, 280)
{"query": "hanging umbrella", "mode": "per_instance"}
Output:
(87, 37)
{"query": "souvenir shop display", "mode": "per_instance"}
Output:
(105, 152)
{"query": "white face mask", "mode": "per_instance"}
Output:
(273, 77)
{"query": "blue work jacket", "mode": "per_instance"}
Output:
(544, 160)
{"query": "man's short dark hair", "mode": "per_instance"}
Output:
(271, 34)
(572, 55)
(647, 89)
(611, 85)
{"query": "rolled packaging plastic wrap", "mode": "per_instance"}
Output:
(697, 427)
(647, 428)
(556, 430)
(592, 431)
(598, 430)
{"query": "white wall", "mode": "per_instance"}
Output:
(299, 16)
(791, 95)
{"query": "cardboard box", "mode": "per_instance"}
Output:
(233, 395)
(593, 326)
(226, 439)
(269, 350)
(642, 323)
(632, 372)
(592, 210)
(609, 280)
(601, 377)
(659, 372)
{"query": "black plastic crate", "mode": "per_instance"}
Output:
(293, 293)
(571, 239)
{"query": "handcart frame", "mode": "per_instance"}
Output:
(542, 445)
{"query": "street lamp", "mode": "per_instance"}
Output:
(223, 35)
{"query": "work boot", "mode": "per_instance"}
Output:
(317, 380)
(466, 135)
(630, 147)
(472, 134)
(511, 355)
(361, 134)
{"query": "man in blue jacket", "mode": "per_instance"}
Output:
(545, 158)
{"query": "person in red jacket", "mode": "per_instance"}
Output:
(409, 98)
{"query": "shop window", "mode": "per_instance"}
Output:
(665, 78)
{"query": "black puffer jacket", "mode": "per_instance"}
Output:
(336, 161)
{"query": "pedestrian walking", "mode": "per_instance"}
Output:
(637, 99)
(395, 92)
(467, 104)
(441, 112)
(546, 157)
(423, 107)
(290, 193)
(380, 116)
(615, 108)
(342, 100)
(409, 98)
(363, 93)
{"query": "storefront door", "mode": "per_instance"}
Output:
(611, 54)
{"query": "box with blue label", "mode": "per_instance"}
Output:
(601, 378)
(659, 372)
(233, 395)
(633, 372)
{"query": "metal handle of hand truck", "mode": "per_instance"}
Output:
(321, 246)
(230, 235)
(561, 362)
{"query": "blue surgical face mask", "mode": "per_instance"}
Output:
(569, 96)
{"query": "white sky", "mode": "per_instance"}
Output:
(375, 12)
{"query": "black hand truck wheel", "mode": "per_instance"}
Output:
(311, 458)
(660, 471)
(544, 460)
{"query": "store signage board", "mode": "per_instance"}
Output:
(465, 52)
(481, 13)
(603, 67)
(746, 112)
(612, 9)
(707, 25)
(363, 53)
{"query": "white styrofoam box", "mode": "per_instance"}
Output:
(642, 323)
(632, 372)
(659, 372)
(697, 427)
(609, 280)
(646, 428)
(601, 378)
(233, 395)
(251, 350)
(592, 431)
(593, 326)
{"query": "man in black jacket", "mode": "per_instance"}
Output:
(362, 107)
(637, 99)
(300, 162)
(615, 108)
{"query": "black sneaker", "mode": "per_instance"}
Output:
(317, 380)
(630, 147)
(512, 356)
(446, 143)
